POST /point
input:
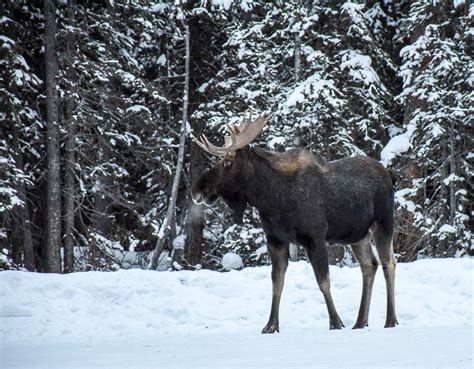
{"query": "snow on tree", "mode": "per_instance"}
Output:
(436, 145)
(338, 106)
(21, 129)
(389, 79)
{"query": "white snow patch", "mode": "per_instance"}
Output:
(139, 318)
(397, 145)
(446, 228)
(232, 261)
(179, 242)
(277, 140)
(261, 250)
(359, 66)
(401, 198)
(138, 109)
(453, 178)
(314, 88)
(161, 60)
(6, 40)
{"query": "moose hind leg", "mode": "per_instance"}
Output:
(368, 265)
(318, 257)
(279, 254)
(383, 243)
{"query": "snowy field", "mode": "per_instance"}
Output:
(136, 318)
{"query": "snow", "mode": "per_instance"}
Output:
(446, 228)
(161, 60)
(231, 261)
(314, 88)
(137, 318)
(397, 145)
(138, 109)
(179, 242)
(401, 198)
(5, 40)
(276, 140)
(359, 66)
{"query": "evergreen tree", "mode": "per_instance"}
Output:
(389, 79)
(437, 95)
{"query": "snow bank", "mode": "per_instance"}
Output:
(137, 318)
(98, 306)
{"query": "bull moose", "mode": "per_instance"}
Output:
(304, 200)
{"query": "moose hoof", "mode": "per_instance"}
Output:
(271, 328)
(390, 323)
(336, 325)
(360, 325)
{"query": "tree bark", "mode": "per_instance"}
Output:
(297, 51)
(297, 57)
(100, 221)
(27, 244)
(452, 183)
(53, 201)
(193, 228)
(194, 225)
(443, 205)
(166, 226)
(70, 157)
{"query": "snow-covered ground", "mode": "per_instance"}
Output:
(136, 318)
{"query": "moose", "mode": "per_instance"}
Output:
(301, 199)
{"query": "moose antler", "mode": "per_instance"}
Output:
(239, 137)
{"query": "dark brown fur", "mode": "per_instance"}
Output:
(301, 199)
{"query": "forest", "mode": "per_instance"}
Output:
(98, 101)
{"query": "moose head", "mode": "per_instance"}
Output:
(228, 178)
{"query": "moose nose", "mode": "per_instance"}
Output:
(198, 198)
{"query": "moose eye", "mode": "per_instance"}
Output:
(227, 163)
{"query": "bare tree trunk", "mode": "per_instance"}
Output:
(452, 183)
(53, 202)
(166, 226)
(297, 57)
(27, 245)
(194, 226)
(100, 221)
(69, 190)
(70, 158)
(297, 51)
(443, 210)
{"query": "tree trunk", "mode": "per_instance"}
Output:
(194, 225)
(297, 50)
(297, 57)
(53, 201)
(100, 221)
(166, 226)
(443, 211)
(193, 228)
(70, 158)
(27, 238)
(27, 245)
(452, 183)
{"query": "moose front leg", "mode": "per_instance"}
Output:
(279, 254)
